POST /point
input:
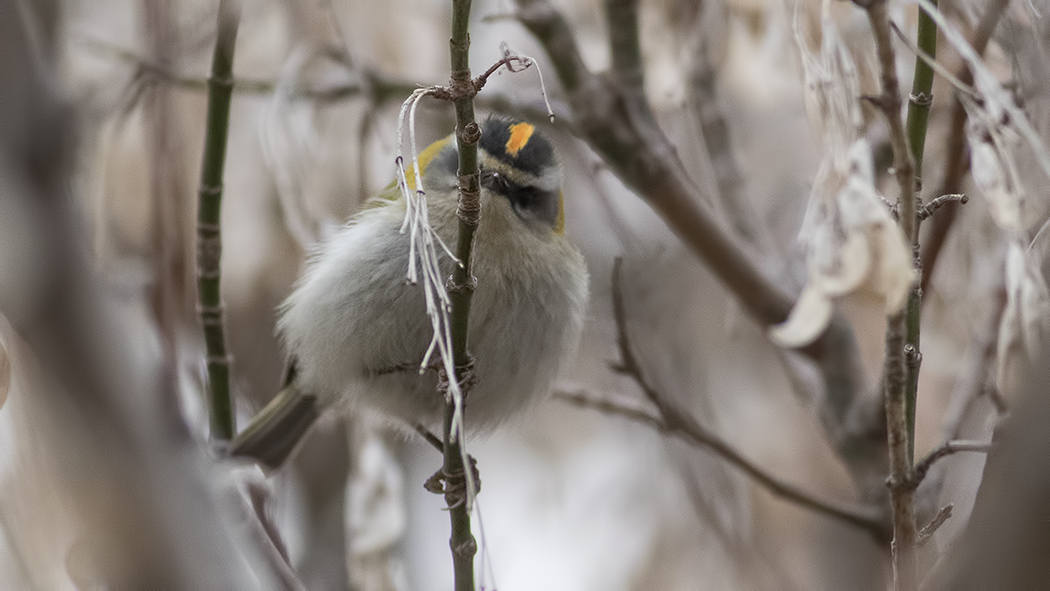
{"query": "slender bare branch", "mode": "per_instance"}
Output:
(675, 420)
(944, 450)
(608, 405)
(371, 84)
(897, 374)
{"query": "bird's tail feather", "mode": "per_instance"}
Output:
(274, 434)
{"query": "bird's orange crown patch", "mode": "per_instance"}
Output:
(519, 136)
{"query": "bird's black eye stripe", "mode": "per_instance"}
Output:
(527, 201)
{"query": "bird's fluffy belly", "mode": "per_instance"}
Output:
(357, 339)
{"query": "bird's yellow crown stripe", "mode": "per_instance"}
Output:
(519, 136)
(424, 161)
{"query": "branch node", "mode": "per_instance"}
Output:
(466, 549)
(460, 45)
(452, 287)
(224, 81)
(471, 134)
(461, 87)
(921, 100)
(912, 356)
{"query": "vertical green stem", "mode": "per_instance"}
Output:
(921, 89)
(462, 288)
(209, 237)
(918, 118)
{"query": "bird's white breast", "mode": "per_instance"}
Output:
(354, 317)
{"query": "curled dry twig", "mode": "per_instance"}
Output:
(931, 528)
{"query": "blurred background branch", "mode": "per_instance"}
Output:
(697, 108)
(613, 116)
(134, 483)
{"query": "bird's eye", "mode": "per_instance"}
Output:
(495, 182)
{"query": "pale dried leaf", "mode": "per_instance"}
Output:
(1026, 317)
(851, 269)
(807, 320)
(990, 178)
(858, 200)
(1033, 306)
(853, 242)
(894, 273)
(832, 88)
(1008, 347)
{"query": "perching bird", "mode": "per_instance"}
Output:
(355, 332)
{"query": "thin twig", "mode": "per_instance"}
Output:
(507, 60)
(608, 405)
(931, 528)
(209, 237)
(902, 328)
(927, 210)
(430, 438)
(674, 420)
(461, 285)
(944, 450)
(373, 84)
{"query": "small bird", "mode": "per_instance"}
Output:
(355, 331)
